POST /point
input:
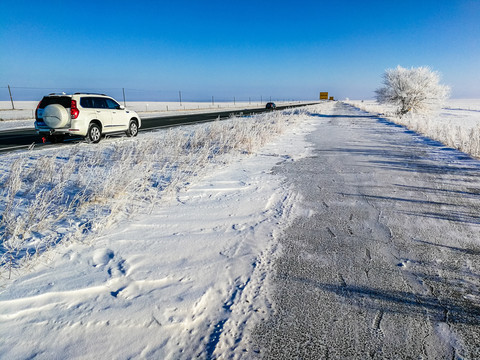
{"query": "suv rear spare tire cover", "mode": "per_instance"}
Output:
(55, 116)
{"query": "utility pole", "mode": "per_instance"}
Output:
(234, 103)
(213, 102)
(124, 103)
(11, 99)
(180, 95)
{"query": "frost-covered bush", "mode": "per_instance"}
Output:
(416, 90)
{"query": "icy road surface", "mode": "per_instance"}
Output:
(387, 264)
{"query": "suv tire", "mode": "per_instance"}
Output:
(55, 116)
(94, 133)
(132, 128)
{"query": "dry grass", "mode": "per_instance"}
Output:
(69, 194)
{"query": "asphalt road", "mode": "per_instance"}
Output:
(387, 264)
(11, 140)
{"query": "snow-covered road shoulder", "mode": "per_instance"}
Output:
(179, 282)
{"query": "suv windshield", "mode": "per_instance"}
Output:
(65, 101)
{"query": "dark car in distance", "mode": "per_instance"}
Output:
(270, 106)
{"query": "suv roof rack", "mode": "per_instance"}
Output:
(87, 93)
(62, 93)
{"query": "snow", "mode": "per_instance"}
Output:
(16, 124)
(455, 112)
(457, 125)
(163, 282)
(190, 276)
(465, 113)
(382, 196)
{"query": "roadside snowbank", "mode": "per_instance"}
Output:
(457, 125)
(455, 112)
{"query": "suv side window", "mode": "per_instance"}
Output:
(99, 103)
(112, 104)
(93, 103)
(86, 102)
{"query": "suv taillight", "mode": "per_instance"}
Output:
(36, 111)
(74, 110)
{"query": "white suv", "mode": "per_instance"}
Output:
(82, 114)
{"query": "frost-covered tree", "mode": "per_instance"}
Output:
(416, 89)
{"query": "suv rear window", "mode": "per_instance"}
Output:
(65, 101)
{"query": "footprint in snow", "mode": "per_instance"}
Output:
(102, 257)
(116, 265)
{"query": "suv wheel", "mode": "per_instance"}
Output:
(94, 133)
(132, 128)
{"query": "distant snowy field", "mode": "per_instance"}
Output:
(456, 112)
(456, 125)
(24, 114)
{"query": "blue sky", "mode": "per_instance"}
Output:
(226, 49)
